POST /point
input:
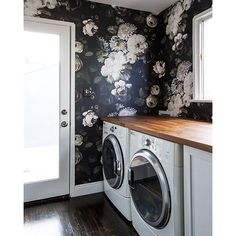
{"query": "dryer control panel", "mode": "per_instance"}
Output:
(148, 142)
(152, 143)
(163, 149)
(166, 151)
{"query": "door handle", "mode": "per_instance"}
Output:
(118, 168)
(64, 124)
(115, 167)
(131, 178)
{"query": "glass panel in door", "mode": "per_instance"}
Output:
(41, 106)
(46, 96)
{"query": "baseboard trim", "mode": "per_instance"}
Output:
(47, 200)
(86, 189)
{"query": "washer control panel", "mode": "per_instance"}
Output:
(118, 131)
(109, 127)
(113, 128)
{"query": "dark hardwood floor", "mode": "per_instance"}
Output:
(91, 215)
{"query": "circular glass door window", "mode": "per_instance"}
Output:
(112, 158)
(149, 189)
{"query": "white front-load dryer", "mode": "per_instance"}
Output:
(115, 160)
(155, 178)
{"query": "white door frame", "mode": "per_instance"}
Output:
(72, 93)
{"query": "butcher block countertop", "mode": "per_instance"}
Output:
(197, 134)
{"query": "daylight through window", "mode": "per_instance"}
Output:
(202, 56)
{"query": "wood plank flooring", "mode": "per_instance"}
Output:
(91, 215)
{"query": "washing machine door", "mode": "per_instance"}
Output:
(150, 189)
(113, 163)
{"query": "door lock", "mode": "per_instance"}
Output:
(64, 112)
(64, 124)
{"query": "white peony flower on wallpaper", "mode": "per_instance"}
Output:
(182, 90)
(105, 46)
(137, 44)
(177, 87)
(186, 4)
(113, 66)
(160, 68)
(119, 106)
(90, 118)
(127, 111)
(78, 140)
(31, 7)
(182, 69)
(117, 44)
(131, 58)
(174, 20)
(50, 4)
(90, 28)
(121, 88)
(126, 30)
(188, 84)
(175, 105)
(79, 47)
(101, 56)
(179, 42)
(186, 100)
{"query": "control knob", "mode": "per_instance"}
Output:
(147, 142)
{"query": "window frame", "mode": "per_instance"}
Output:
(198, 62)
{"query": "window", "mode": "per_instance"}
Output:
(202, 44)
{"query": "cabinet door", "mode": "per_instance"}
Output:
(197, 192)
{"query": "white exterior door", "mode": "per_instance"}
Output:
(46, 110)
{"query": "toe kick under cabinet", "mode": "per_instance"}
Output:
(197, 192)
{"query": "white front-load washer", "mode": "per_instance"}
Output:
(155, 178)
(115, 160)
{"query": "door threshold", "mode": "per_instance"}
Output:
(47, 200)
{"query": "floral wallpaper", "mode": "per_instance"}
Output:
(174, 55)
(133, 62)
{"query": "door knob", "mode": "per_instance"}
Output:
(64, 124)
(64, 112)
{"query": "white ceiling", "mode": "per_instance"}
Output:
(154, 6)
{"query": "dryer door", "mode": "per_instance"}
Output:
(113, 164)
(149, 189)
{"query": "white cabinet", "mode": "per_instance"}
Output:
(197, 192)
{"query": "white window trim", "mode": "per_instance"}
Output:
(197, 62)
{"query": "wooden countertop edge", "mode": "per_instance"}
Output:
(175, 139)
(166, 136)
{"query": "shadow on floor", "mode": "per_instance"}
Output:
(92, 215)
